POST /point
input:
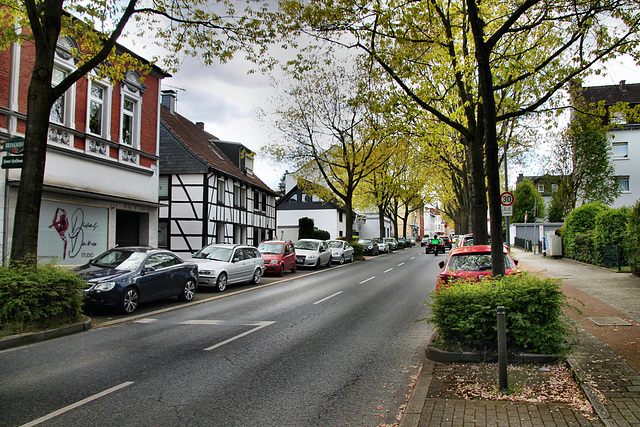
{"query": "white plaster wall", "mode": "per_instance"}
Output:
(628, 166)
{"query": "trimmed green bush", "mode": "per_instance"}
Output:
(358, 250)
(306, 228)
(579, 221)
(464, 314)
(38, 298)
(321, 235)
(633, 243)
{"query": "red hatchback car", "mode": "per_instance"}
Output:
(471, 262)
(278, 256)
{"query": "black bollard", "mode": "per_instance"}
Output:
(502, 350)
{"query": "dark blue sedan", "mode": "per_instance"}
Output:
(124, 277)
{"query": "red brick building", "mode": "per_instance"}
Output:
(101, 175)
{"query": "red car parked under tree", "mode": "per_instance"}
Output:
(471, 262)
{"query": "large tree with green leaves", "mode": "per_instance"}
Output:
(582, 159)
(528, 203)
(475, 65)
(336, 130)
(185, 27)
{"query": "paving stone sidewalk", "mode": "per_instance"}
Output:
(610, 383)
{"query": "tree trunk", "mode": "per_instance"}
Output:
(381, 216)
(24, 245)
(485, 82)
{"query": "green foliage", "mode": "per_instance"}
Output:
(556, 208)
(579, 221)
(35, 298)
(611, 226)
(526, 198)
(464, 314)
(306, 228)
(634, 239)
(358, 250)
(322, 235)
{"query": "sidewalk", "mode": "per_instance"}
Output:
(606, 358)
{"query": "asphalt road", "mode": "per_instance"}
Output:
(336, 347)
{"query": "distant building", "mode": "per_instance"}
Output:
(546, 185)
(625, 144)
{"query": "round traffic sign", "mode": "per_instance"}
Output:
(506, 198)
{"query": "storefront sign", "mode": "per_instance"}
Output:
(71, 233)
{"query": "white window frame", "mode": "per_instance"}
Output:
(620, 180)
(624, 155)
(68, 98)
(132, 90)
(106, 107)
(540, 188)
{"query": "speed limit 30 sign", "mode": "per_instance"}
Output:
(506, 198)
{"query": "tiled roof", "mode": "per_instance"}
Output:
(612, 94)
(199, 143)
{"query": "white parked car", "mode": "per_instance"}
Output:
(312, 253)
(383, 247)
(220, 265)
(341, 251)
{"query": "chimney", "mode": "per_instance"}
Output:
(623, 85)
(169, 98)
(200, 125)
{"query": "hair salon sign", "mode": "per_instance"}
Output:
(71, 233)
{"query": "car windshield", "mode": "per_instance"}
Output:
(335, 244)
(365, 242)
(271, 248)
(306, 244)
(475, 262)
(215, 253)
(120, 260)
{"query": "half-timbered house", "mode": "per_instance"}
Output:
(208, 188)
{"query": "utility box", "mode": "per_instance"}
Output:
(554, 246)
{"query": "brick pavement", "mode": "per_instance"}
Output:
(610, 383)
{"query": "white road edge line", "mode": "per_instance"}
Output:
(77, 404)
(365, 281)
(386, 271)
(324, 299)
(402, 263)
(259, 325)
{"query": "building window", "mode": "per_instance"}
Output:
(130, 116)
(264, 202)
(618, 118)
(236, 196)
(554, 187)
(340, 217)
(540, 188)
(623, 182)
(220, 191)
(243, 197)
(293, 198)
(99, 109)
(58, 110)
(256, 200)
(620, 149)
(163, 187)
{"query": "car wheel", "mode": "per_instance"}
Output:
(221, 283)
(317, 264)
(351, 259)
(129, 301)
(341, 260)
(281, 272)
(328, 263)
(189, 291)
(294, 268)
(257, 275)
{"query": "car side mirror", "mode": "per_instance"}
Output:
(516, 261)
(236, 259)
(441, 264)
(148, 270)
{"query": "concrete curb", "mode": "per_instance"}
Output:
(30, 338)
(593, 397)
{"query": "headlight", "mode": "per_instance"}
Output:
(312, 256)
(273, 262)
(104, 286)
(207, 272)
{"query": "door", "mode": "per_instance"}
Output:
(127, 228)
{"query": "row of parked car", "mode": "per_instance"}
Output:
(125, 277)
